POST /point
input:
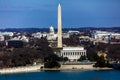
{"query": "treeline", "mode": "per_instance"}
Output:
(35, 51)
(112, 50)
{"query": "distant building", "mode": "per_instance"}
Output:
(52, 30)
(4, 34)
(69, 33)
(65, 35)
(7, 33)
(73, 53)
(50, 36)
(72, 32)
(22, 38)
(84, 39)
(39, 35)
(104, 35)
(2, 38)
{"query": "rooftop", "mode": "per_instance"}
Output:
(73, 48)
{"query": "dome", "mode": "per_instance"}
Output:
(51, 30)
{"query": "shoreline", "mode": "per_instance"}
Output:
(22, 69)
(36, 68)
(60, 69)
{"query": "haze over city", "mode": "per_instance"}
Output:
(43, 13)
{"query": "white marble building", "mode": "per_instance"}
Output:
(23, 38)
(2, 38)
(39, 35)
(7, 33)
(50, 36)
(104, 35)
(73, 53)
(2, 34)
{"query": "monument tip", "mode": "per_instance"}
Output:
(59, 5)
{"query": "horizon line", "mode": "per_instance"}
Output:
(56, 28)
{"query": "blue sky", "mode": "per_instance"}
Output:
(43, 13)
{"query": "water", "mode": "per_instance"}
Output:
(64, 75)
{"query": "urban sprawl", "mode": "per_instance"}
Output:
(71, 49)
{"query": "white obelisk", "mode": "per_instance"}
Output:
(59, 27)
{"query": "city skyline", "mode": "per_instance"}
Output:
(43, 14)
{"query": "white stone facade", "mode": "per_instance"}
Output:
(50, 36)
(7, 33)
(1, 38)
(59, 42)
(2, 34)
(104, 35)
(73, 53)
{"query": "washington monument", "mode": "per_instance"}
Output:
(59, 27)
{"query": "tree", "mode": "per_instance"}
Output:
(100, 62)
(51, 64)
(51, 61)
(82, 58)
(36, 50)
(114, 51)
(65, 59)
